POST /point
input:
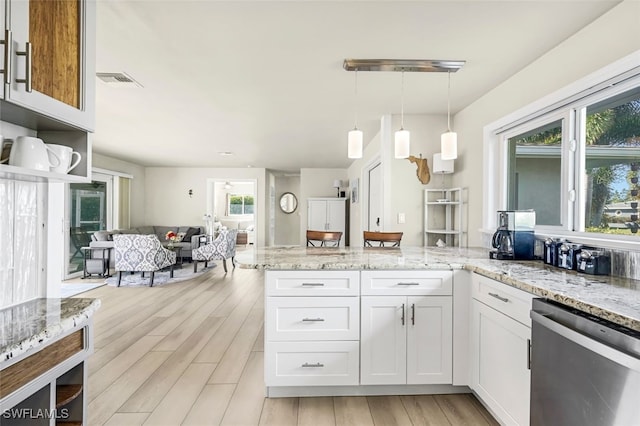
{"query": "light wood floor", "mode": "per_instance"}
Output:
(191, 353)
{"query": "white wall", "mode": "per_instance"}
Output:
(167, 200)
(607, 39)
(287, 226)
(316, 183)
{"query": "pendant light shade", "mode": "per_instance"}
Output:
(402, 144)
(449, 139)
(449, 145)
(354, 139)
(402, 141)
(355, 143)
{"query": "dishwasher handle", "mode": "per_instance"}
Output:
(587, 342)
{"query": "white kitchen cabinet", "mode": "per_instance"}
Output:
(328, 214)
(500, 346)
(51, 56)
(312, 328)
(406, 327)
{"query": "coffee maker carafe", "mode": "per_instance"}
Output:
(514, 238)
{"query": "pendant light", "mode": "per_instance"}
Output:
(402, 139)
(449, 139)
(354, 139)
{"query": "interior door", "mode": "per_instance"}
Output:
(374, 197)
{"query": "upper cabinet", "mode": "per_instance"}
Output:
(49, 53)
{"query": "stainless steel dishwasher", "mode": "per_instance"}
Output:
(584, 370)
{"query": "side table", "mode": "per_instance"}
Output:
(96, 265)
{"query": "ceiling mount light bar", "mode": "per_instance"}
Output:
(399, 65)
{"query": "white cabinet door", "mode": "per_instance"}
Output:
(71, 97)
(317, 216)
(3, 47)
(429, 339)
(500, 367)
(383, 340)
(336, 215)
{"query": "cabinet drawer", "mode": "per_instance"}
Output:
(418, 283)
(312, 318)
(510, 301)
(312, 283)
(311, 363)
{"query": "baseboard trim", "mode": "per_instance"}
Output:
(294, 391)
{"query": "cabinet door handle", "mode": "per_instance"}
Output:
(312, 284)
(312, 319)
(407, 283)
(497, 296)
(8, 42)
(307, 365)
(402, 317)
(27, 53)
(413, 314)
(528, 354)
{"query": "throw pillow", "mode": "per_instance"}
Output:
(180, 236)
(190, 233)
(102, 236)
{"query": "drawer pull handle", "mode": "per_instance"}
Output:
(497, 296)
(312, 284)
(408, 284)
(413, 314)
(402, 317)
(307, 365)
(7, 55)
(312, 319)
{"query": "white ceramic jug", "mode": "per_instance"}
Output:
(65, 154)
(31, 153)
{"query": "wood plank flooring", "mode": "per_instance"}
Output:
(191, 353)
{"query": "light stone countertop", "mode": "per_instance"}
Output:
(612, 298)
(37, 322)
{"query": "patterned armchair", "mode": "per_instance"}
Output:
(223, 247)
(141, 253)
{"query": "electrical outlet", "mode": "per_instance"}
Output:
(401, 218)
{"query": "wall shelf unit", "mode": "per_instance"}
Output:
(443, 216)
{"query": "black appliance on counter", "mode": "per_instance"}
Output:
(551, 246)
(568, 255)
(594, 262)
(514, 239)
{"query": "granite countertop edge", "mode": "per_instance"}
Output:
(50, 333)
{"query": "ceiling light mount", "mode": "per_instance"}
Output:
(403, 65)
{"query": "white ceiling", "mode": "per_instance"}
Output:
(264, 79)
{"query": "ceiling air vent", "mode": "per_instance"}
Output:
(118, 79)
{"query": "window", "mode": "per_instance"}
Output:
(576, 163)
(240, 204)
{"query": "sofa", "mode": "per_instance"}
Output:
(191, 237)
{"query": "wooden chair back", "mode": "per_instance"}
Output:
(323, 238)
(383, 239)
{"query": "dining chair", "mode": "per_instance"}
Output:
(323, 238)
(384, 239)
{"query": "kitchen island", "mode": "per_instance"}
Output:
(612, 298)
(44, 344)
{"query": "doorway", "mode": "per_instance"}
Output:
(375, 219)
(89, 209)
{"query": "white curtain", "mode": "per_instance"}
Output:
(20, 242)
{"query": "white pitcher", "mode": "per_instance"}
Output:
(31, 153)
(65, 154)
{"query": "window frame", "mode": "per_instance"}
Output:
(243, 196)
(571, 104)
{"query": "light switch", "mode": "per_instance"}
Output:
(401, 218)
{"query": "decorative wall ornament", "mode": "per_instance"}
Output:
(422, 170)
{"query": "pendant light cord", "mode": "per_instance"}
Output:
(402, 103)
(355, 102)
(449, 102)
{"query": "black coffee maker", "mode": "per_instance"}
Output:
(514, 238)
